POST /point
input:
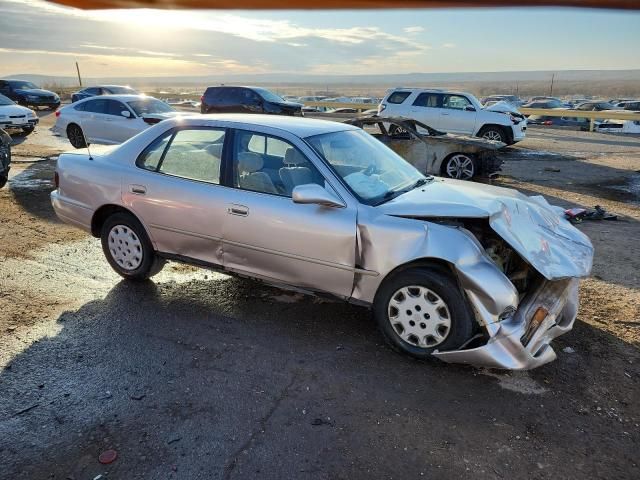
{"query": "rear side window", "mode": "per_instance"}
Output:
(398, 97)
(194, 154)
(427, 100)
(96, 106)
(151, 156)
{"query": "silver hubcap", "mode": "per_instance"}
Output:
(419, 316)
(461, 167)
(125, 247)
(492, 135)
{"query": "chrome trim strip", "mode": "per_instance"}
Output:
(186, 232)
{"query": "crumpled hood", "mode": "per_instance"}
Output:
(36, 91)
(502, 107)
(535, 229)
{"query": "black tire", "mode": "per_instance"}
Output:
(441, 283)
(75, 136)
(28, 130)
(3, 180)
(150, 263)
(493, 132)
(459, 166)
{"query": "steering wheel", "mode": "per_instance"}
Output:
(370, 170)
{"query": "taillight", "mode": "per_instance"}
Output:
(202, 99)
(548, 122)
(57, 113)
(56, 179)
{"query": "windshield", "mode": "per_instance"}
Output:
(5, 101)
(22, 85)
(268, 95)
(373, 172)
(149, 105)
(122, 90)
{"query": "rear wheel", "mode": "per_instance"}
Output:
(75, 136)
(493, 133)
(421, 310)
(459, 166)
(3, 180)
(128, 249)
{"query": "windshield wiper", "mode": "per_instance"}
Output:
(396, 193)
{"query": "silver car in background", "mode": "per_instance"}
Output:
(451, 269)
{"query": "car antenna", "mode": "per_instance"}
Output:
(86, 142)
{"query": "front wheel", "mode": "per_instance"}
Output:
(3, 180)
(27, 130)
(76, 136)
(493, 133)
(128, 249)
(421, 310)
(459, 166)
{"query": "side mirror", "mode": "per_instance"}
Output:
(125, 113)
(469, 108)
(312, 193)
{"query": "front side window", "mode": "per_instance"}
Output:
(114, 107)
(92, 91)
(398, 97)
(372, 171)
(266, 164)
(268, 95)
(455, 102)
(149, 106)
(195, 154)
(18, 85)
(427, 100)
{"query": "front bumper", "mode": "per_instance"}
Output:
(43, 102)
(519, 131)
(520, 342)
(18, 123)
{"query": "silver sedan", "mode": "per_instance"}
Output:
(454, 270)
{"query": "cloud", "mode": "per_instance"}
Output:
(448, 45)
(413, 29)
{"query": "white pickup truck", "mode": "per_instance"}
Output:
(456, 112)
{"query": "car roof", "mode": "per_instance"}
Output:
(427, 90)
(124, 98)
(301, 127)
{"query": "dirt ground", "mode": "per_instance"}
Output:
(198, 375)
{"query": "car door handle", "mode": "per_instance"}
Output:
(239, 210)
(138, 189)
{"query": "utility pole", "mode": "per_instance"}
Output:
(79, 77)
(553, 76)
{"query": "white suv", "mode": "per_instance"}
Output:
(456, 112)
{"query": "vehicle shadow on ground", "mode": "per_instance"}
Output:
(229, 378)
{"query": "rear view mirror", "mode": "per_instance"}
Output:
(313, 193)
(125, 113)
(470, 108)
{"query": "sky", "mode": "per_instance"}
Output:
(37, 37)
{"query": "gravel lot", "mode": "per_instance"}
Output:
(199, 375)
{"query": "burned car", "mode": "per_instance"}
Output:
(433, 152)
(5, 157)
(455, 270)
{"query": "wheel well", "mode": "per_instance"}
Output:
(101, 215)
(508, 133)
(428, 262)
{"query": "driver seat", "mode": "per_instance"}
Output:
(293, 174)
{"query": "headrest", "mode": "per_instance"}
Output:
(214, 149)
(294, 157)
(249, 162)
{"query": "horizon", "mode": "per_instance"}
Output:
(178, 43)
